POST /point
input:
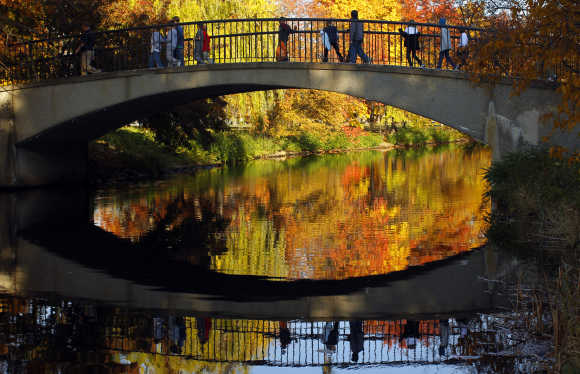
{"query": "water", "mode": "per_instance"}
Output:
(367, 261)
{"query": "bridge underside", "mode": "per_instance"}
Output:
(46, 127)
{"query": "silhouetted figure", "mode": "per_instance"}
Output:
(87, 50)
(176, 332)
(330, 40)
(463, 51)
(203, 329)
(330, 335)
(284, 31)
(356, 32)
(411, 36)
(445, 45)
(284, 335)
(443, 336)
(411, 334)
(356, 338)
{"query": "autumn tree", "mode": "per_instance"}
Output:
(535, 40)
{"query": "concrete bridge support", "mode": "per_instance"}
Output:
(22, 166)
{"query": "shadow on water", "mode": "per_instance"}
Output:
(265, 265)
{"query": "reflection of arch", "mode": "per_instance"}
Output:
(152, 281)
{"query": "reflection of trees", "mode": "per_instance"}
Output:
(330, 217)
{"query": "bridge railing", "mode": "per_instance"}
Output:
(232, 41)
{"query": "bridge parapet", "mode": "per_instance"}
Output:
(232, 41)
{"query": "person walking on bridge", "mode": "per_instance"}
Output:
(284, 31)
(330, 40)
(155, 57)
(178, 54)
(445, 45)
(87, 50)
(356, 33)
(202, 45)
(463, 52)
(170, 46)
(411, 36)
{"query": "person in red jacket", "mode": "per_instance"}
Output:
(202, 45)
(205, 49)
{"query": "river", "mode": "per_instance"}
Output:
(369, 260)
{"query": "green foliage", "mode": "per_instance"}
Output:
(370, 140)
(537, 199)
(415, 135)
(136, 149)
(309, 142)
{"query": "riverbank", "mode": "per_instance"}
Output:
(132, 153)
(536, 215)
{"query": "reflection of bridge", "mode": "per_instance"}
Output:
(138, 336)
(44, 128)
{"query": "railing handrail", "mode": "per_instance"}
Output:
(290, 20)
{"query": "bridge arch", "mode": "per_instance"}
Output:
(87, 106)
(61, 116)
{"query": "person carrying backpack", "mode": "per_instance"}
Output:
(179, 45)
(330, 40)
(411, 40)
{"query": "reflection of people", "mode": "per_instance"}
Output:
(158, 329)
(176, 334)
(443, 336)
(330, 335)
(284, 335)
(356, 338)
(411, 334)
(203, 329)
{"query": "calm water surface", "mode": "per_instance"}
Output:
(323, 264)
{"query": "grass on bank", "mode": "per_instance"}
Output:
(134, 148)
(410, 136)
(537, 211)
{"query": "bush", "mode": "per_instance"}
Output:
(369, 140)
(309, 142)
(337, 142)
(537, 199)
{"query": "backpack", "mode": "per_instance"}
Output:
(180, 37)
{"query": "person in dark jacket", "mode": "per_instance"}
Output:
(284, 31)
(330, 40)
(356, 39)
(87, 50)
(412, 35)
(356, 338)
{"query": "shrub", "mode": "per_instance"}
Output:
(309, 142)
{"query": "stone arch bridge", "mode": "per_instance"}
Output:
(45, 126)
